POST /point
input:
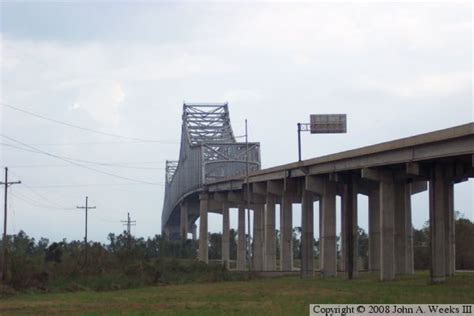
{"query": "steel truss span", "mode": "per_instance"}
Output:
(209, 152)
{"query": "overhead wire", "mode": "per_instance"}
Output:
(104, 143)
(74, 162)
(41, 196)
(45, 203)
(106, 164)
(88, 185)
(56, 205)
(78, 126)
(36, 203)
(61, 166)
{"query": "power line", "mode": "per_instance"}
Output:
(75, 163)
(107, 164)
(64, 166)
(170, 142)
(118, 163)
(41, 196)
(36, 204)
(76, 126)
(90, 185)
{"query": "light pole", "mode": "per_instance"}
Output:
(248, 194)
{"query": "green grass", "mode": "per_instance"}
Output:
(277, 296)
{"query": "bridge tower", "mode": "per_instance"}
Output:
(209, 151)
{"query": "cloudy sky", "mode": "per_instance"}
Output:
(396, 69)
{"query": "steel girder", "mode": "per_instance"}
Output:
(209, 151)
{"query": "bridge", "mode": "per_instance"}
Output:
(209, 152)
(388, 173)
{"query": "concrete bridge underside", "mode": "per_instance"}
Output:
(388, 173)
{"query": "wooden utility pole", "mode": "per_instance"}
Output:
(5, 240)
(86, 208)
(129, 223)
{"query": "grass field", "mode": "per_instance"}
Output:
(276, 296)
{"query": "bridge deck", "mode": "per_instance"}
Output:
(455, 141)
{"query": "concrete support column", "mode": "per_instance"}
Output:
(401, 228)
(203, 238)
(410, 261)
(225, 234)
(307, 234)
(241, 242)
(328, 230)
(342, 263)
(184, 222)
(320, 239)
(438, 205)
(450, 231)
(387, 223)
(258, 236)
(374, 231)
(270, 235)
(350, 228)
(286, 233)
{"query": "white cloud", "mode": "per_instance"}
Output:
(102, 101)
(93, 76)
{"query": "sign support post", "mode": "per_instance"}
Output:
(322, 124)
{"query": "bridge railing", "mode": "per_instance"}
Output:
(222, 160)
(206, 163)
(186, 178)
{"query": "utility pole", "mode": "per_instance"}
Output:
(129, 223)
(5, 240)
(248, 194)
(86, 208)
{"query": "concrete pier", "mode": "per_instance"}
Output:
(241, 241)
(374, 231)
(328, 230)
(307, 232)
(258, 236)
(286, 233)
(270, 235)
(410, 260)
(351, 236)
(225, 234)
(387, 236)
(203, 238)
(450, 230)
(402, 196)
(342, 262)
(438, 205)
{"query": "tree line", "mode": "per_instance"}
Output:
(464, 229)
(128, 261)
